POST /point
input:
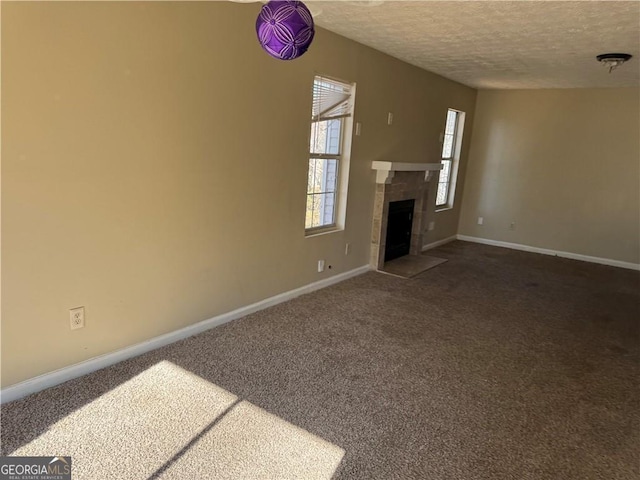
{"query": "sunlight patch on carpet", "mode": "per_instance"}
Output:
(169, 423)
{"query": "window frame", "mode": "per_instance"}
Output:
(341, 158)
(453, 160)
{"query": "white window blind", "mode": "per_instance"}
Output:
(331, 99)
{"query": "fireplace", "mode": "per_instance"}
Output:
(401, 186)
(399, 223)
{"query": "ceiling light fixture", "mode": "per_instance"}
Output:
(613, 60)
(285, 28)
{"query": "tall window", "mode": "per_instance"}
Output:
(331, 109)
(451, 143)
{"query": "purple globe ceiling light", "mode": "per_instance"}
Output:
(285, 28)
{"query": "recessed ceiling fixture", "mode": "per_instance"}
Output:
(613, 60)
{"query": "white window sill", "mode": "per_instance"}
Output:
(322, 231)
(443, 209)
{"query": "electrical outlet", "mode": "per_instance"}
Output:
(76, 318)
(480, 220)
(512, 226)
(358, 129)
(432, 225)
(347, 248)
(320, 266)
(390, 119)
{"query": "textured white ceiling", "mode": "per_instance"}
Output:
(497, 44)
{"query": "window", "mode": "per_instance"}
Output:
(327, 178)
(451, 143)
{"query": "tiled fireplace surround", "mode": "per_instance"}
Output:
(395, 182)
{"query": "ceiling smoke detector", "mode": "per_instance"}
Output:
(613, 60)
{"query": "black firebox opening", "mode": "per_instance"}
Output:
(399, 225)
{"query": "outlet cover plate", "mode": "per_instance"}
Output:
(76, 318)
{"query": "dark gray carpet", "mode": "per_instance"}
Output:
(498, 364)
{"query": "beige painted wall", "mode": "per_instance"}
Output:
(564, 165)
(154, 166)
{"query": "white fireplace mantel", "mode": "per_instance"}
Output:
(386, 170)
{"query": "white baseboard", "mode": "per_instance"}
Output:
(62, 375)
(546, 251)
(431, 245)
